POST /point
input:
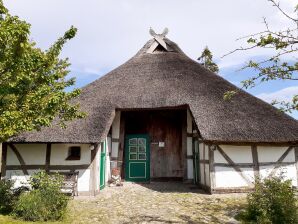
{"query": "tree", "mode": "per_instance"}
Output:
(206, 60)
(282, 64)
(32, 81)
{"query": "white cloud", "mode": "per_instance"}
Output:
(111, 31)
(285, 94)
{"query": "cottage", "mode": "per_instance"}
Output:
(162, 116)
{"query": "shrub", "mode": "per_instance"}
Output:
(273, 201)
(7, 198)
(45, 202)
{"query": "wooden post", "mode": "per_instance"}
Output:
(48, 157)
(204, 158)
(3, 160)
(120, 160)
(211, 169)
(94, 170)
(184, 145)
(255, 159)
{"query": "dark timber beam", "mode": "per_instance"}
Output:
(255, 160)
(3, 160)
(184, 145)
(20, 158)
(48, 157)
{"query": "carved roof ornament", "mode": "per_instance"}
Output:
(159, 40)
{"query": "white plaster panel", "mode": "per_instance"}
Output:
(109, 145)
(116, 125)
(207, 174)
(239, 154)
(189, 169)
(189, 146)
(84, 179)
(202, 173)
(218, 158)
(60, 152)
(201, 148)
(228, 177)
(189, 122)
(115, 146)
(108, 160)
(33, 154)
(206, 152)
(11, 158)
(19, 178)
(273, 153)
(288, 172)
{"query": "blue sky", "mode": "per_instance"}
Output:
(112, 31)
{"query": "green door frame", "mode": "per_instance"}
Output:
(137, 158)
(102, 173)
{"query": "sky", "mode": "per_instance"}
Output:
(112, 31)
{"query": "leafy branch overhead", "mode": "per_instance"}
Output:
(32, 81)
(282, 65)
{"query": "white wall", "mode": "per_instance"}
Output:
(227, 177)
(35, 154)
(270, 154)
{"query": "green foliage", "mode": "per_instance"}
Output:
(273, 201)
(45, 202)
(206, 60)
(276, 67)
(32, 81)
(7, 198)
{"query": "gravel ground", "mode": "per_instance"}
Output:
(157, 202)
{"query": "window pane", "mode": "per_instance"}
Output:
(142, 149)
(133, 141)
(133, 156)
(132, 149)
(142, 141)
(142, 156)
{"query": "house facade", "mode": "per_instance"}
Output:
(162, 116)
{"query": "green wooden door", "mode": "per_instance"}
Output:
(137, 158)
(102, 176)
(196, 159)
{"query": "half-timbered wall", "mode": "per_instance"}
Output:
(235, 168)
(24, 159)
(204, 166)
(115, 141)
(189, 146)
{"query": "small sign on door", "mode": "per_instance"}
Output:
(161, 144)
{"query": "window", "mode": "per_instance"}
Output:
(74, 153)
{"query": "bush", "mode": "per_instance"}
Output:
(7, 198)
(45, 202)
(273, 201)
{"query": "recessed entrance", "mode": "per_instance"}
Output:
(162, 158)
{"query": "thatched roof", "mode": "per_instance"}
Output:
(169, 79)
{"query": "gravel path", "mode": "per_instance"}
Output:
(157, 202)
